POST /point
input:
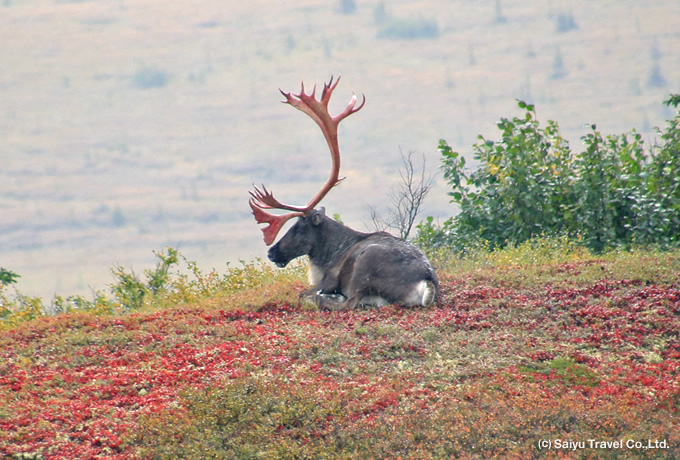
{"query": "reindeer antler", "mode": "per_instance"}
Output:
(317, 110)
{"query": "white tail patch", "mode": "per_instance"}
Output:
(423, 294)
(428, 292)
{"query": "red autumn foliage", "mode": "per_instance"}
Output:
(474, 373)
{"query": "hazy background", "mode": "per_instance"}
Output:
(131, 125)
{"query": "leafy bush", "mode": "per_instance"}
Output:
(20, 308)
(251, 286)
(529, 183)
(132, 292)
(8, 277)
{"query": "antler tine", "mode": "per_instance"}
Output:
(275, 222)
(265, 199)
(350, 109)
(328, 89)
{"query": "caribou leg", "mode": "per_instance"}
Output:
(333, 302)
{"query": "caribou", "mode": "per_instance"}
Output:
(347, 268)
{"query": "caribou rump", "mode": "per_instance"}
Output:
(347, 268)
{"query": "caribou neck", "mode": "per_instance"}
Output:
(334, 242)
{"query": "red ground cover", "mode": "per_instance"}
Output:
(493, 367)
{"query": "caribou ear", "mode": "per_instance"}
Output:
(318, 216)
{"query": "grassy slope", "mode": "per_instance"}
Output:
(520, 348)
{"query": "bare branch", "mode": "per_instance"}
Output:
(406, 199)
(379, 224)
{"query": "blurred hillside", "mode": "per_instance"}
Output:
(130, 125)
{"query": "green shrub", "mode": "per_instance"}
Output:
(169, 283)
(8, 277)
(133, 293)
(615, 193)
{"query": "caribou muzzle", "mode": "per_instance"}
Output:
(275, 256)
